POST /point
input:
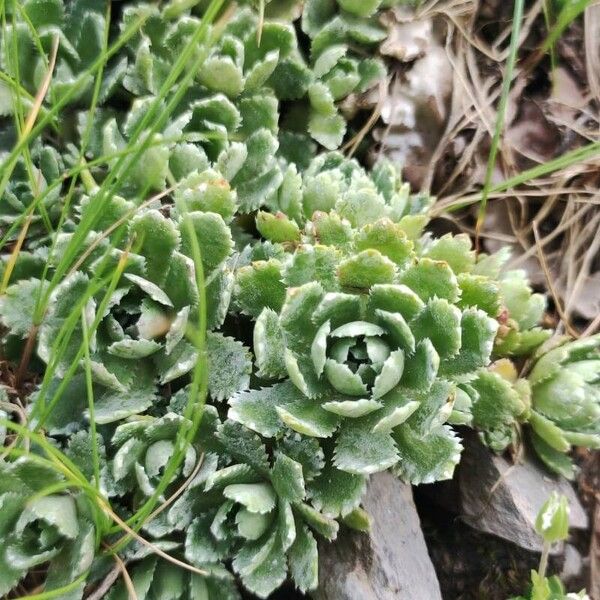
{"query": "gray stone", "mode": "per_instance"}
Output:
(502, 498)
(388, 563)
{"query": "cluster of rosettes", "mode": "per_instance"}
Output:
(341, 342)
(384, 333)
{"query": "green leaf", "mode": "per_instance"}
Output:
(287, 478)
(361, 451)
(366, 269)
(453, 249)
(158, 239)
(330, 229)
(150, 289)
(178, 362)
(352, 408)
(313, 263)
(306, 451)
(431, 279)
(395, 299)
(361, 205)
(343, 379)
(277, 227)
(498, 404)
(56, 510)
(479, 292)
(478, 332)
(390, 375)
(130, 348)
(397, 328)
(256, 497)
(339, 308)
(243, 445)
(269, 346)
(17, 306)
(259, 286)
(421, 368)
(178, 329)
(229, 366)
(200, 546)
(439, 322)
(303, 560)
(261, 565)
(308, 418)
(337, 493)
(386, 237)
(326, 129)
(256, 409)
(260, 175)
(357, 328)
(555, 460)
(361, 8)
(548, 431)
(426, 458)
(317, 521)
(523, 306)
(318, 349)
(212, 235)
(221, 74)
(207, 191)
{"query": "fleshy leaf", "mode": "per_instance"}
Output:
(366, 269)
(287, 478)
(337, 493)
(259, 286)
(229, 364)
(256, 497)
(308, 418)
(361, 451)
(304, 560)
(269, 346)
(431, 279)
(439, 321)
(426, 458)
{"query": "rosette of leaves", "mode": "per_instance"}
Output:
(375, 350)
(337, 30)
(29, 184)
(227, 101)
(333, 210)
(79, 30)
(565, 398)
(154, 577)
(521, 309)
(253, 510)
(39, 528)
(144, 446)
(141, 338)
(496, 403)
(335, 195)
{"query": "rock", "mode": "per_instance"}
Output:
(572, 566)
(503, 499)
(390, 562)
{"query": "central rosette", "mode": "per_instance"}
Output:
(359, 359)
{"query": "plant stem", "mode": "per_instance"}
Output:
(544, 559)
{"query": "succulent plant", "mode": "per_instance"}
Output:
(154, 577)
(565, 398)
(372, 339)
(79, 30)
(250, 509)
(374, 361)
(38, 526)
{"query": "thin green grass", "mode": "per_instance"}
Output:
(501, 114)
(105, 279)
